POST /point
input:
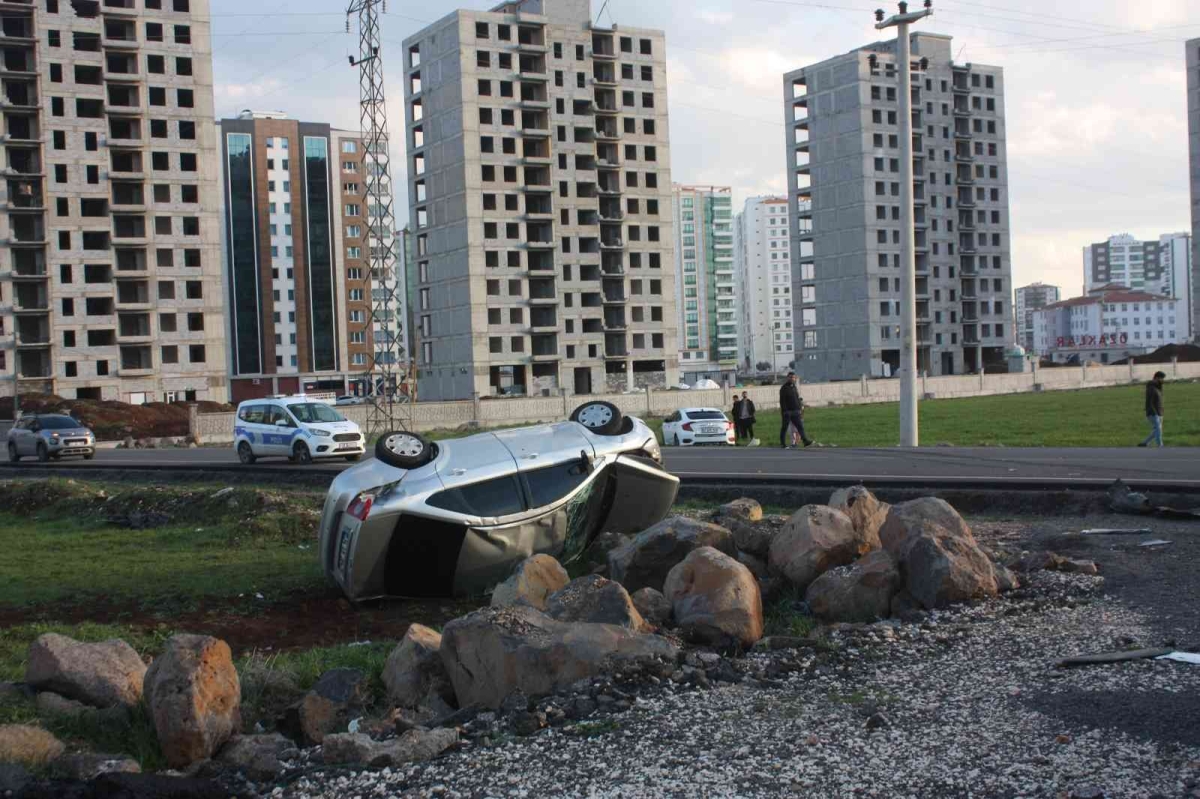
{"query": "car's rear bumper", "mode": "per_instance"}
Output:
(702, 440)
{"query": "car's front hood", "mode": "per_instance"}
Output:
(333, 427)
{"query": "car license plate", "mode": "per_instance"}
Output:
(712, 429)
(341, 447)
(349, 527)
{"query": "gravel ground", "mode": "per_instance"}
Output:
(967, 703)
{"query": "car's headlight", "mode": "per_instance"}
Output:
(322, 433)
(652, 449)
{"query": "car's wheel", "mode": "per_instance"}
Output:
(13, 455)
(301, 454)
(43, 454)
(602, 418)
(246, 453)
(353, 458)
(403, 449)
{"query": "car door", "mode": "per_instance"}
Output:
(22, 437)
(278, 430)
(670, 428)
(256, 430)
(638, 493)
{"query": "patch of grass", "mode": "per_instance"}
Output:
(1097, 417)
(785, 615)
(99, 732)
(65, 542)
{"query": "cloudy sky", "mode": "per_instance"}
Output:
(1096, 94)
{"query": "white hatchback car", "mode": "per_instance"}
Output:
(297, 428)
(691, 426)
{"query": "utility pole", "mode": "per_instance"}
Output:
(385, 317)
(909, 425)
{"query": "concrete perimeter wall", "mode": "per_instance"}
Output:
(217, 428)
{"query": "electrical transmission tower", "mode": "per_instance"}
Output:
(388, 362)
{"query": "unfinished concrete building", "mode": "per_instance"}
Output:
(540, 197)
(110, 257)
(843, 152)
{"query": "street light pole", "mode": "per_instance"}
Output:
(909, 426)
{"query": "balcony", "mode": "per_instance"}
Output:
(615, 243)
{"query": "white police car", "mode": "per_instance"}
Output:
(298, 428)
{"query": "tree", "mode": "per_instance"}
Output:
(763, 366)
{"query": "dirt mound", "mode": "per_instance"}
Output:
(112, 420)
(1184, 353)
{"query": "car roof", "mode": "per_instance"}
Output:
(296, 399)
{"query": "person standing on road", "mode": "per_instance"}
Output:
(791, 411)
(743, 417)
(1154, 409)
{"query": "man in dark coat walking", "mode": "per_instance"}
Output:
(791, 411)
(743, 416)
(1154, 409)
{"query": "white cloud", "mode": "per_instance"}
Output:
(715, 17)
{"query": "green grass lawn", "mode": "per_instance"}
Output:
(61, 549)
(1098, 417)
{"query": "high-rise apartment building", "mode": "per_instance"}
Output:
(1163, 266)
(110, 264)
(763, 264)
(705, 293)
(1193, 103)
(843, 157)
(1029, 299)
(540, 203)
(294, 233)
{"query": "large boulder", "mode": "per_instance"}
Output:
(413, 746)
(645, 561)
(494, 652)
(652, 605)
(414, 672)
(28, 746)
(860, 592)
(715, 599)
(865, 511)
(194, 697)
(336, 697)
(101, 674)
(531, 583)
(743, 508)
(260, 757)
(940, 562)
(595, 599)
(815, 539)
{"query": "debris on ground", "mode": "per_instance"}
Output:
(1112, 657)
(1122, 499)
(1182, 657)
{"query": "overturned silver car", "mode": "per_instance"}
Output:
(452, 518)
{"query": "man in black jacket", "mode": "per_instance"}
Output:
(1154, 409)
(791, 411)
(743, 416)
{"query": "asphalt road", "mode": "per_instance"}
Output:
(993, 466)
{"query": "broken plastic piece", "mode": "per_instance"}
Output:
(1182, 657)
(1118, 531)
(1113, 657)
(1158, 542)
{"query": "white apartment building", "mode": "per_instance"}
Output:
(763, 263)
(843, 163)
(1108, 324)
(110, 258)
(1029, 299)
(540, 203)
(705, 288)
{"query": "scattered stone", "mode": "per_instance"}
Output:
(1028, 562)
(756, 565)
(860, 592)
(595, 599)
(815, 539)
(1006, 579)
(414, 670)
(260, 757)
(715, 599)
(13, 778)
(194, 697)
(652, 605)
(101, 674)
(51, 705)
(1073, 566)
(865, 511)
(412, 746)
(645, 561)
(877, 721)
(750, 538)
(744, 509)
(532, 582)
(337, 696)
(774, 643)
(28, 746)
(940, 562)
(88, 765)
(494, 652)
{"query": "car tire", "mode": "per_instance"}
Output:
(403, 449)
(602, 418)
(13, 455)
(43, 454)
(301, 454)
(245, 453)
(353, 458)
